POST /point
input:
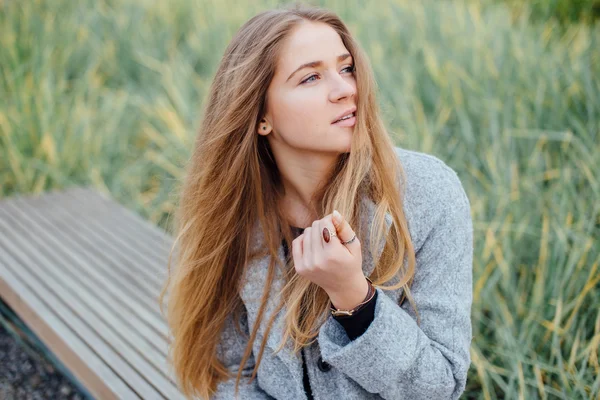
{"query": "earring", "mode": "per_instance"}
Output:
(264, 128)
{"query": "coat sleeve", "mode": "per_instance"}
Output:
(395, 357)
(230, 351)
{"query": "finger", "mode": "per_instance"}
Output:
(306, 246)
(297, 252)
(317, 236)
(345, 231)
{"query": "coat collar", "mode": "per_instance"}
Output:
(256, 276)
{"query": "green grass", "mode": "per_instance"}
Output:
(109, 93)
(565, 11)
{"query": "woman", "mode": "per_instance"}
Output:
(291, 133)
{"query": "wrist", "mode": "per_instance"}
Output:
(352, 296)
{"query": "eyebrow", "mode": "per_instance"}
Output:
(314, 64)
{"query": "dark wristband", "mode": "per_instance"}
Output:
(357, 324)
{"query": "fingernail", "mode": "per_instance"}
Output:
(337, 216)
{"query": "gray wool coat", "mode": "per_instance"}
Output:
(395, 358)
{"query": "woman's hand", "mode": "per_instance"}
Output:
(335, 267)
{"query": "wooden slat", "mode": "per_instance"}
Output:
(104, 275)
(87, 366)
(79, 252)
(90, 235)
(96, 221)
(69, 306)
(154, 245)
(72, 273)
(100, 287)
(111, 327)
(160, 239)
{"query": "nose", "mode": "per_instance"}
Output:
(342, 88)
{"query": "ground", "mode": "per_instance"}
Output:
(29, 375)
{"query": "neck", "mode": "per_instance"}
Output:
(302, 175)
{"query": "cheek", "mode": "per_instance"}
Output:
(299, 114)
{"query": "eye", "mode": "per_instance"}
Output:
(308, 79)
(350, 68)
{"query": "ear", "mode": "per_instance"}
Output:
(264, 128)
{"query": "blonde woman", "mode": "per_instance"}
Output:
(275, 295)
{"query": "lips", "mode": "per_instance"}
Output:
(347, 112)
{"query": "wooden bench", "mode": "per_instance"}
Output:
(84, 274)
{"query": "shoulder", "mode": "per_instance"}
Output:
(432, 193)
(426, 174)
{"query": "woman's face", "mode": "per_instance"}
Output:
(305, 100)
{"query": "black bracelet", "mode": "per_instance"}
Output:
(370, 295)
(358, 311)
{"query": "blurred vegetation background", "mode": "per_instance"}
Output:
(109, 93)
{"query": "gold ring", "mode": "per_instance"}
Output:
(327, 234)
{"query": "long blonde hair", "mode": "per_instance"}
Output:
(232, 183)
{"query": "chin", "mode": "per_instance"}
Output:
(344, 148)
(348, 146)
(336, 148)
